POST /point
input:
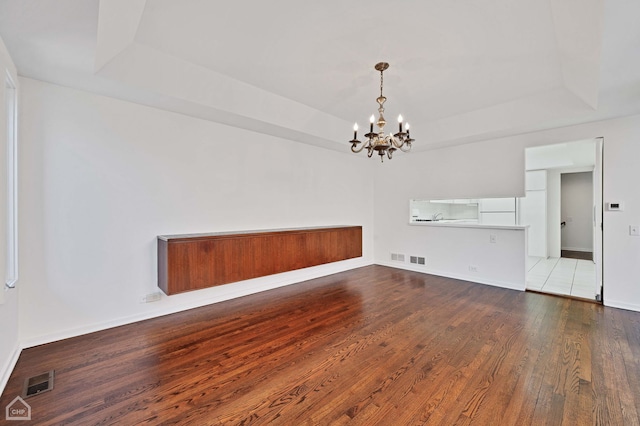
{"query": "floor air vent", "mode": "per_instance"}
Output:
(38, 384)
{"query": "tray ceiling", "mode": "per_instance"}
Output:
(460, 71)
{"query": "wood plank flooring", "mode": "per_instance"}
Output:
(371, 346)
(572, 254)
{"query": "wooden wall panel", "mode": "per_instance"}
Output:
(197, 261)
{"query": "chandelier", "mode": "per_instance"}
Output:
(378, 141)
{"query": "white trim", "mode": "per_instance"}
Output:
(620, 305)
(11, 104)
(473, 279)
(287, 279)
(7, 369)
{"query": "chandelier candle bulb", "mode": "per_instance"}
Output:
(371, 120)
(400, 122)
(355, 131)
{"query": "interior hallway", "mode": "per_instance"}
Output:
(572, 277)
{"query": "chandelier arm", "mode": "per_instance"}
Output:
(397, 142)
(356, 151)
(405, 147)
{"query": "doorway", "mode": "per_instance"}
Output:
(576, 203)
(568, 223)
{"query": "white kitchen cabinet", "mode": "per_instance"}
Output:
(533, 212)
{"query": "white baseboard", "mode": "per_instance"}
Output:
(7, 369)
(620, 305)
(463, 277)
(249, 287)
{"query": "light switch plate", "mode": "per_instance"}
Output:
(634, 230)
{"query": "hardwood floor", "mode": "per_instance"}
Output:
(572, 254)
(369, 346)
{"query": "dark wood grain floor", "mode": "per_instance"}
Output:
(572, 254)
(370, 346)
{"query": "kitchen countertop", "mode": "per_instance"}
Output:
(466, 223)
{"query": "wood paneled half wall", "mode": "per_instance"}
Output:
(196, 261)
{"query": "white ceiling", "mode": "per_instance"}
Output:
(460, 71)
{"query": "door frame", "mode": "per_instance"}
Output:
(598, 218)
(598, 207)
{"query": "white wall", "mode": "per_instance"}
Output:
(572, 155)
(467, 171)
(577, 211)
(9, 332)
(495, 168)
(465, 253)
(101, 178)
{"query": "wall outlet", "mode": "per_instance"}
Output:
(634, 230)
(152, 297)
(473, 268)
(493, 238)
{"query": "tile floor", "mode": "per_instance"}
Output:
(564, 276)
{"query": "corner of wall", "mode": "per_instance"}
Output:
(9, 365)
